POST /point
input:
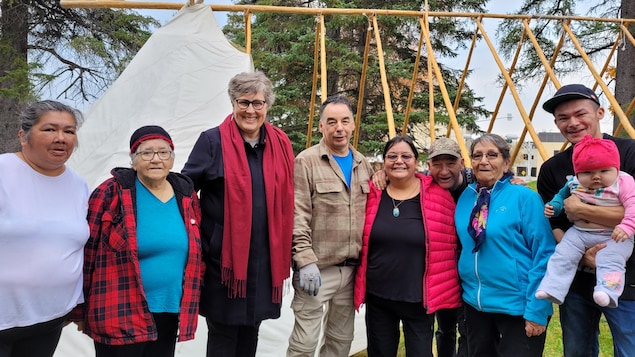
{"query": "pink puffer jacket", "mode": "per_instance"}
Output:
(441, 288)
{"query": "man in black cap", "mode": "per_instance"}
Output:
(577, 112)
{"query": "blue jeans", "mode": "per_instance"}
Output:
(622, 323)
(580, 320)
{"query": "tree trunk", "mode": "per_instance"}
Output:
(14, 30)
(625, 71)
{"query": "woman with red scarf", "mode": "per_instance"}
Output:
(244, 170)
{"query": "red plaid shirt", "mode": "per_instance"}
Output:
(116, 311)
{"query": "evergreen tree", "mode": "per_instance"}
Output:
(283, 47)
(74, 53)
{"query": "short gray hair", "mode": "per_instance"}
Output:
(497, 140)
(34, 112)
(251, 83)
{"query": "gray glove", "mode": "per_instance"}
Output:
(310, 279)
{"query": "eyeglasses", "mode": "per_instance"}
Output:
(490, 156)
(149, 155)
(256, 104)
(395, 157)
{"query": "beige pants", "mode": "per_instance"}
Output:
(334, 304)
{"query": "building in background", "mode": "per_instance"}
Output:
(528, 161)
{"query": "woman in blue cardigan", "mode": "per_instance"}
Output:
(506, 244)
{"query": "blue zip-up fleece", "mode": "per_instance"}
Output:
(502, 277)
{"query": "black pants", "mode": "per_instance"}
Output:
(229, 340)
(36, 340)
(447, 322)
(491, 334)
(167, 326)
(382, 327)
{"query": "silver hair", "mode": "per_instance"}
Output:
(497, 140)
(251, 83)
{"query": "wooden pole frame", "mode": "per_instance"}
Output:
(434, 72)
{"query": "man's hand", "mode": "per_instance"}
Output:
(310, 279)
(548, 211)
(379, 179)
(588, 259)
(607, 216)
(619, 235)
(572, 207)
(515, 180)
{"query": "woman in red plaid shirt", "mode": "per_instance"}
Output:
(143, 266)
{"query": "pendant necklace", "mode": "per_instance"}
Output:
(395, 206)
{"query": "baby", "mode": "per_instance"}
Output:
(597, 181)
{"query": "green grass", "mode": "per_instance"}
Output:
(553, 345)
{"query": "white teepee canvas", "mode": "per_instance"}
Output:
(178, 80)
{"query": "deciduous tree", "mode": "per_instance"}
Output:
(596, 38)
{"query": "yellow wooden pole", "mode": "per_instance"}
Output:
(504, 89)
(248, 32)
(548, 65)
(431, 111)
(466, 69)
(446, 96)
(627, 34)
(323, 71)
(362, 86)
(159, 5)
(413, 84)
(431, 91)
(628, 112)
(616, 106)
(514, 92)
(384, 81)
(309, 133)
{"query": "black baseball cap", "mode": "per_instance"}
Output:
(567, 93)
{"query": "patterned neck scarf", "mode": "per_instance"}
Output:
(478, 218)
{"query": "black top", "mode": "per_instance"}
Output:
(396, 251)
(468, 178)
(553, 176)
(205, 168)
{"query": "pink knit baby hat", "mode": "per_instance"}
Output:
(594, 154)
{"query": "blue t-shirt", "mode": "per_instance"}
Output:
(163, 247)
(346, 165)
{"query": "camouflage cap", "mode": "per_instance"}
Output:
(444, 146)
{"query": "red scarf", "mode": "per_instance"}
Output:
(278, 176)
